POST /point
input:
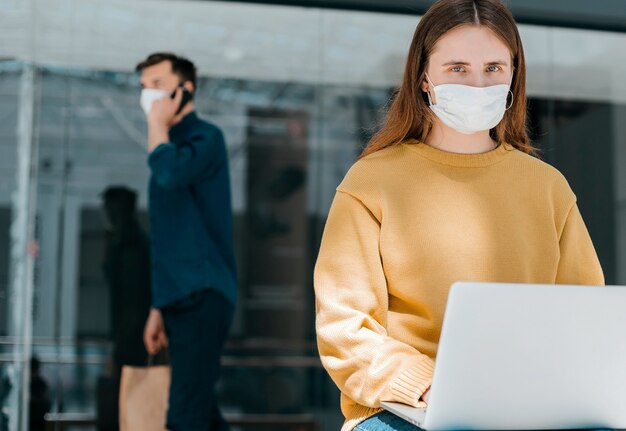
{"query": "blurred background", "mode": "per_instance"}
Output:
(298, 89)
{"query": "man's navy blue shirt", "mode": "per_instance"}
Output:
(191, 218)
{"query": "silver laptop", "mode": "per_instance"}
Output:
(525, 357)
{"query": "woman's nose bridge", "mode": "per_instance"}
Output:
(478, 79)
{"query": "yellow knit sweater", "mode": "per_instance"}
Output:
(406, 223)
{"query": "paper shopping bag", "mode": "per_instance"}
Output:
(144, 393)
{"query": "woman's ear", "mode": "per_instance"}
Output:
(426, 87)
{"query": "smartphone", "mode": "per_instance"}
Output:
(187, 97)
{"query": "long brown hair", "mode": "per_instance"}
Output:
(409, 116)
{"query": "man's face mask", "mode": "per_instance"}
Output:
(149, 96)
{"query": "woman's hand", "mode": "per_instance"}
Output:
(154, 336)
(426, 395)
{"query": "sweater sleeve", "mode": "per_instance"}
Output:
(578, 263)
(367, 364)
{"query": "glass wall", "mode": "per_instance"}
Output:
(10, 74)
(18, 92)
(298, 92)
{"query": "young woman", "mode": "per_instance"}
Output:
(447, 190)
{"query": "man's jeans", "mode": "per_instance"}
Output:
(385, 421)
(196, 328)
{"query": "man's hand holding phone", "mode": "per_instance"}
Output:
(160, 118)
(164, 110)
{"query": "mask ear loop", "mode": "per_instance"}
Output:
(430, 100)
(512, 99)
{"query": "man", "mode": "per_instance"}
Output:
(193, 264)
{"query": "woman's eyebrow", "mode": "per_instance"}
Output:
(497, 62)
(456, 63)
(465, 63)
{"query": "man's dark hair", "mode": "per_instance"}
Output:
(182, 67)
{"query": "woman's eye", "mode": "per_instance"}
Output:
(457, 69)
(493, 68)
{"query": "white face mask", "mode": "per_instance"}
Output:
(469, 109)
(149, 96)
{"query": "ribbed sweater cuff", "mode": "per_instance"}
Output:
(408, 387)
